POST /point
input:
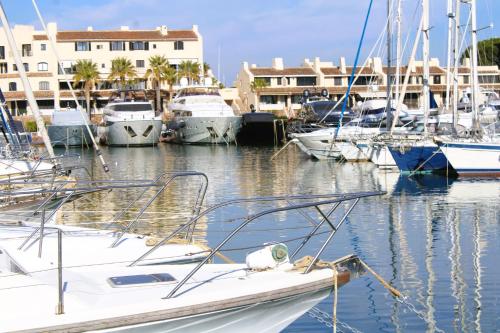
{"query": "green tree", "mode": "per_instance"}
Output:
(157, 68)
(256, 86)
(170, 76)
(86, 71)
(122, 71)
(190, 70)
(488, 52)
(206, 68)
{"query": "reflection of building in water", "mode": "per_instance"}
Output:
(165, 213)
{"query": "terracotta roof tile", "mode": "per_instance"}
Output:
(269, 71)
(152, 35)
(16, 75)
(418, 70)
(19, 95)
(40, 37)
(331, 71)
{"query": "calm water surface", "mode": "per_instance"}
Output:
(435, 239)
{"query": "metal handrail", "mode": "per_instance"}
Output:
(210, 209)
(356, 197)
(168, 181)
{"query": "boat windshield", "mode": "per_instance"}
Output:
(198, 91)
(131, 107)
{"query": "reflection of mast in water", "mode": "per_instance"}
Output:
(458, 285)
(477, 269)
(408, 266)
(428, 266)
(394, 218)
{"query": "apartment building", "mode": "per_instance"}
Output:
(49, 83)
(285, 85)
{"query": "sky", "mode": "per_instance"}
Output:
(257, 31)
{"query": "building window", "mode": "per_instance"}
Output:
(306, 81)
(268, 99)
(12, 86)
(139, 63)
(103, 65)
(26, 50)
(466, 79)
(2, 52)
(43, 67)
(337, 81)
(488, 79)
(365, 81)
(99, 46)
(68, 67)
(26, 67)
(117, 46)
(133, 46)
(267, 80)
(437, 79)
(154, 46)
(296, 99)
(178, 45)
(43, 85)
(43, 47)
(82, 46)
(3, 68)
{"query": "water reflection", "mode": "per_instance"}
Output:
(435, 238)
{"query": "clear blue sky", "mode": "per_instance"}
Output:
(253, 30)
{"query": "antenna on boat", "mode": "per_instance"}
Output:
(24, 79)
(78, 106)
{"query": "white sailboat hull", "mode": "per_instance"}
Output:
(378, 154)
(473, 158)
(350, 152)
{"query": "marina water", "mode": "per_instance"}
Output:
(436, 239)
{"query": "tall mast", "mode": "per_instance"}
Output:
(475, 80)
(24, 79)
(398, 50)
(448, 54)
(389, 67)
(456, 55)
(425, 55)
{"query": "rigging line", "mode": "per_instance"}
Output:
(60, 67)
(375, 46)
(344, 105)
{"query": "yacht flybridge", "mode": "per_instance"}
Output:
(114, 292)
(129, 120)
(202, 116)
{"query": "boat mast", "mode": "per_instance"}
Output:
(388, 118)
(456, 55)
(425, 55)
(448, 54)
(475, 80)
(24, 79)
(398, 50)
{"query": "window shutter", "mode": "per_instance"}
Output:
(146, 46)
(110, 46)
(90, 46)
(76, 46)
(131, 46)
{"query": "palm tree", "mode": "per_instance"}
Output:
(157, 67)
(122, 70)
(206, 68)
(169, 75)
(189, 70)
(86, 71)
(256, 86)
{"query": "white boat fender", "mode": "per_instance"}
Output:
(269, 257)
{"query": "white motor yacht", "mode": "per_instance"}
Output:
(130, 121)
(202, 116)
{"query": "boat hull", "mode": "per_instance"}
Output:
(131, 133)
(207, 130)
(473, 159)
(423, 158)
(70, 135)
(379, 154)
(350, 152)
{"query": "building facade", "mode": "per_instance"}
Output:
(49, 83)
(285, 85)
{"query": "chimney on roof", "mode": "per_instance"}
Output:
(377, 65)
(164, 30)
(245, 65)
(434, 62)
(89, 28)
(342, 65)
(278, 63)
(195, 27)
(253, 66)
(317, 64)
(466, 62)
(124, 28)
(52, 29)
